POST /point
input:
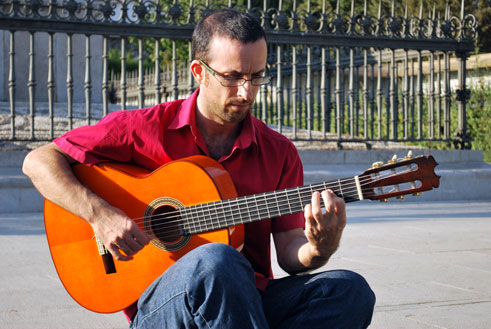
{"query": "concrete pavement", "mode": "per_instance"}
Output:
(429, 264)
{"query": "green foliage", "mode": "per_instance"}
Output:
(114, 61)
(479, 119)
(478, 114)
(114, 56)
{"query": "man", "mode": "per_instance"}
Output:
(215, 286)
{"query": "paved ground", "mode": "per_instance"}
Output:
(428, 263)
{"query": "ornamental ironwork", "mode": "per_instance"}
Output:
(125, 14)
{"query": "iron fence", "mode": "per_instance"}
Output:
(337, 76)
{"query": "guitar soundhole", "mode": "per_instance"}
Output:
(166, 224)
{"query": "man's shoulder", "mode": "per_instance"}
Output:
(265, 132)
(158, 111)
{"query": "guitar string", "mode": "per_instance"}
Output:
(332, 186)
(232, 211)
(301, 189)
(223, 213)
(208, 207)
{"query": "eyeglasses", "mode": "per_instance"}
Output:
(236, 82)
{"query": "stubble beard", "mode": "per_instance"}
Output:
(233, 115)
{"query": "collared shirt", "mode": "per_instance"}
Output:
(261, 160)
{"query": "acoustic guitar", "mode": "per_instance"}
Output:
(182, 205)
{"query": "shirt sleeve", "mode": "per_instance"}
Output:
(292, 176)
(108, 140)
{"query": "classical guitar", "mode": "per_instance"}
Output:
(182, 205)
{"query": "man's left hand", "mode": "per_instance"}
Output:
(324, 224)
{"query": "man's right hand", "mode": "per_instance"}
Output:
(49, 169)
(119, 234)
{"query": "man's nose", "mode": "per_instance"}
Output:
(247, 90)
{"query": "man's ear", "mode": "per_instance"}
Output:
(198, 72)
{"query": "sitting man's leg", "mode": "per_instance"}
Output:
(332, 299)
(212, 286)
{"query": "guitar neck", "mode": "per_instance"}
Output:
(246, 209)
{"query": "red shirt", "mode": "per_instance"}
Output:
(261, 160)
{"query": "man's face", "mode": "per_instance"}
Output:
(231, 59)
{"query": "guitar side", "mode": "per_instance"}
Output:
(74, 248)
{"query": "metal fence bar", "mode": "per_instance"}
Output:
(388, 102)
(412, 102)
(175, 79)
(405, 97)
(294, 91)
(158, 81)
(88, 80)
(12, 83)
(372, 101)
(366, 96)
(279, 89)
(431, 98)
(446, 94)
(123, 82)
(392, 97)
(324, 93)
(379, 95)
(419, 96)
(337, 92)
(31, 84)
(69, 80)
(105, 81)
(51, 85)
(439, 97)
(141, 75)
(351, 93)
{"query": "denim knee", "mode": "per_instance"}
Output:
(361, 288)
(218, 261)
(359, 297)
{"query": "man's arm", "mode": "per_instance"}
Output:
(298, 250)
(49, 169)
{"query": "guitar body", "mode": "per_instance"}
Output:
(139, 194)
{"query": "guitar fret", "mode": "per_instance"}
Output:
(340, 189)
(211, 221)
(191, 222)
(277, 204)
(201, 217)
(219, 220)
(288, 202)
(233, 214)
(185, 225)
(226, 210)
(266, 204)
(262, 206)
(265, 207)
(195, 215)
(239, 211)
(251, 200)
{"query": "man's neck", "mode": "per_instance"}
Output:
(219, 138)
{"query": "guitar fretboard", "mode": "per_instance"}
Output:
(246, 209)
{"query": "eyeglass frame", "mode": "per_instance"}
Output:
(221, 75)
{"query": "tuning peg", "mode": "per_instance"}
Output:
(409, 155)
(417, 193)
(384, 200)
(377, 164)
(393, 160)
(400, 197)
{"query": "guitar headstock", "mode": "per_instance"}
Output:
(399, 177)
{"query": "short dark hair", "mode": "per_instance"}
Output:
(229, 23)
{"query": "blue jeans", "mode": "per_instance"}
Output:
(213, 286)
